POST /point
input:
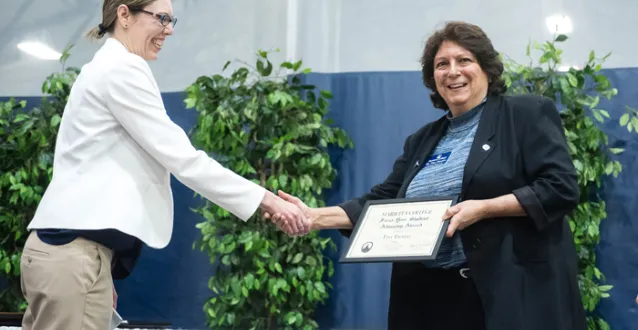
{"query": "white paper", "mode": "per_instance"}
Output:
(116, 320)
(399, 230)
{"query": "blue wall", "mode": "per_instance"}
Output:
(378, 110)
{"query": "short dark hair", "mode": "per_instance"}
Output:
(472, 38)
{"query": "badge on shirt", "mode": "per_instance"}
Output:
(438, 159)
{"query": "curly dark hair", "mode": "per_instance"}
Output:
(472, 38)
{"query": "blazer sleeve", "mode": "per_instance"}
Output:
(132, 96)
(553, 191)
(388, 189)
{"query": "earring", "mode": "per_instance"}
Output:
(125, 26)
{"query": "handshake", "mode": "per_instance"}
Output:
(289, 213)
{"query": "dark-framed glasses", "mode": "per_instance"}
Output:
(165, 19)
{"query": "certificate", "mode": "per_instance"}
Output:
(399, 230)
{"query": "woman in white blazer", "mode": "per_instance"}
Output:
(110, 191)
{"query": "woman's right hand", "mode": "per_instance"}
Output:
(282, 221)
(295, 222)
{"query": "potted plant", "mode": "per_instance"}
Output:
(270, 128)
(578, 92)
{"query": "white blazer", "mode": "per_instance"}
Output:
(114, 153)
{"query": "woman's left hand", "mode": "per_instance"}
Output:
(464, 214)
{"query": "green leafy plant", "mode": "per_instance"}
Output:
(578, 92)
(270, 129)
(27, 142)
(630, 119)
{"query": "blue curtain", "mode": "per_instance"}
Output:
(617, 254)
(378, 110)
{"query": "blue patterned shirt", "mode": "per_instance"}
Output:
(442, 175)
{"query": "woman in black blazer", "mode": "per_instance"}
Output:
(509, 260)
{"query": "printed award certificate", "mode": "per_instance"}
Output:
(398, 230)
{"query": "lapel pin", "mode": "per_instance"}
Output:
(486, 147)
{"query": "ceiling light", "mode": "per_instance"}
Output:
(560, 24)
(39, 50)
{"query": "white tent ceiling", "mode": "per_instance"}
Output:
(329, 35)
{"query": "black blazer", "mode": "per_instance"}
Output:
(524, 268)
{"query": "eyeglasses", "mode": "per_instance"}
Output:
(164, 19)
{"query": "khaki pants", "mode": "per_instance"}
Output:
(67, 287)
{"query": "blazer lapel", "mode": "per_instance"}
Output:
(483, 144)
